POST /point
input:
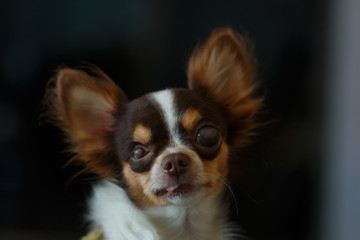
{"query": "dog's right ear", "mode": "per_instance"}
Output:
(85, 106)
(223, 69)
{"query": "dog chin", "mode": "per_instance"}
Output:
(184, 195)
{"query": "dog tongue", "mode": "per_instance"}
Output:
(172, 188)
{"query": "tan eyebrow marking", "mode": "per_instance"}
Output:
(142, 134)
(190, 119)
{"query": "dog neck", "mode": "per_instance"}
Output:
(119, 218)
(201, 220)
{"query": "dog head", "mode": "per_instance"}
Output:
(170, 146)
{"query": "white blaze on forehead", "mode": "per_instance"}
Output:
(165, 99)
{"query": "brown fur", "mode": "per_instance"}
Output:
(142, 134)
(223, 69)
(190, 119)
(84, 107)
(217, 169)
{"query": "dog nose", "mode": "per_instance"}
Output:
(175, 164)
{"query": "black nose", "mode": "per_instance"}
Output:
(175, 164)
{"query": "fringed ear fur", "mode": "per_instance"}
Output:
(84, 107)
(223, 69)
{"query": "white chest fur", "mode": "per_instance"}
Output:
(116, 214)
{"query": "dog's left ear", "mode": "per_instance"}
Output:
(223, 69)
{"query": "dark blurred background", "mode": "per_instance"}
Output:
(300, 177)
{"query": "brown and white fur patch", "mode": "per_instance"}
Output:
(163, 158)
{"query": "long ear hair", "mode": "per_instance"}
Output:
(84, 106)
(223, 69)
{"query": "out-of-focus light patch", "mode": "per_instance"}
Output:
(20, 62)
(9, 122)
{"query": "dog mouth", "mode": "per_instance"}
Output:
(177, 189)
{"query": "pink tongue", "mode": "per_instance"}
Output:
(172, 188)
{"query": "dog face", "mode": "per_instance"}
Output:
(167, 147)
(173, 147)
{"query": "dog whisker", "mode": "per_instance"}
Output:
(223, 179)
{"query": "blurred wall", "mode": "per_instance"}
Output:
(341, 163)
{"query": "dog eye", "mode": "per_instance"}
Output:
(139, 153)
(208, 136)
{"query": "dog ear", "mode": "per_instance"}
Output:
(224, 70)
(84, 106)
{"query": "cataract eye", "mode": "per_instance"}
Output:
(208, 136)
(139, 153)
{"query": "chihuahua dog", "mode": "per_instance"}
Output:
(162, 159)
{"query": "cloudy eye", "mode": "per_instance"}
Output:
(139, 153)
(208, 136)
